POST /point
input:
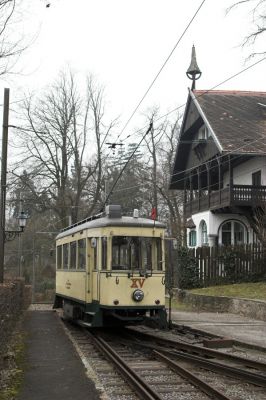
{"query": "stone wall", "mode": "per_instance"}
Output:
(249, 308)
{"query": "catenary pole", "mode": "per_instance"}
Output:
(3, 182)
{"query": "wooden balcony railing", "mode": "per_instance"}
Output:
(236, 195)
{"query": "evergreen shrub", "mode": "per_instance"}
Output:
(187, 269)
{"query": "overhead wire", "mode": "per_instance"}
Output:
(124, 167)
(177, 108)
(161, 69)
(196, 97)
(217, 158)
(189, 169)
(193, 175)
(203, 92)
(233, 151)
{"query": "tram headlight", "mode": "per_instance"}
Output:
(138, 295)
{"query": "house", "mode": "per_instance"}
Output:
(220, 164)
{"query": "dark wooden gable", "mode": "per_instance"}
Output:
(193, 148)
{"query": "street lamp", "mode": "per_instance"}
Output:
(22, 220)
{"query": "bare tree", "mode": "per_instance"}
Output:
(11, 41)
(173, 200)
(258, 223)
(122, 177)
(61, 145)
(258, 19)
(161, 145)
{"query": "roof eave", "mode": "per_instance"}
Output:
(203, 116)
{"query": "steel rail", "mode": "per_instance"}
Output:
(190, 348)
(193, 379)
(227, 370)
(139, 386)
(213, 366)
(194, 331)
(200, 332)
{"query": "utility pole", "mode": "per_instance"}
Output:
(33, 271)
(19, 242)
(3, 183)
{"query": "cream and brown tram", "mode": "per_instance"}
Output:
(111, 270)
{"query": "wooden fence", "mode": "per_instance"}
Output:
(216, 265)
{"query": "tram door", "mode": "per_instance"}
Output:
(91, 253)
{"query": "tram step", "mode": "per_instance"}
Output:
(83, 323)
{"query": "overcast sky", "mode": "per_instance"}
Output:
(125, 42)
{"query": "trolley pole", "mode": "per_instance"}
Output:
(3, 183)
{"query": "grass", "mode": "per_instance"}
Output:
(242, 290)
(176, 305)
(15, 372)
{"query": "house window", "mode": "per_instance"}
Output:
(233, 233)
(203, 133)
(238, 233)
(226, 234)
(192, 238)
(204, 233)
(256, 178)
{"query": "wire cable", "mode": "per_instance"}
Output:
(160, 70)
(124, 167)
(201, 94)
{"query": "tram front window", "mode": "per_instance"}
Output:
(136, 253)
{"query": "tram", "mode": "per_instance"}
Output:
(110, 270)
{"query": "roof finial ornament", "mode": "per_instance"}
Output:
(193, 72)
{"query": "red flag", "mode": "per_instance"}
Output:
(153, 213)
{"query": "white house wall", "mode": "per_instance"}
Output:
(242, 174)
(213, 222)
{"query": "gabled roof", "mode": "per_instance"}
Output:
(237, 118)
(236, 121)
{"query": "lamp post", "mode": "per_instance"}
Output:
(6, 235)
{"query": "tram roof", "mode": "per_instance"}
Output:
(106, 221)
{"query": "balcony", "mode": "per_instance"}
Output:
(236, 195)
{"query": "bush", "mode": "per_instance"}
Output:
(229, 258)
(187, 269)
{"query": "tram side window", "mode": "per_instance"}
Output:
(95, 258)
(65, 255)
(104, 253)
(59, 257)
(158, 252)
(73, 255)
(82, 254)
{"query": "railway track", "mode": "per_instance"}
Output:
(153, 369)
(188, 351)
(181, 379)
(199, 335)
